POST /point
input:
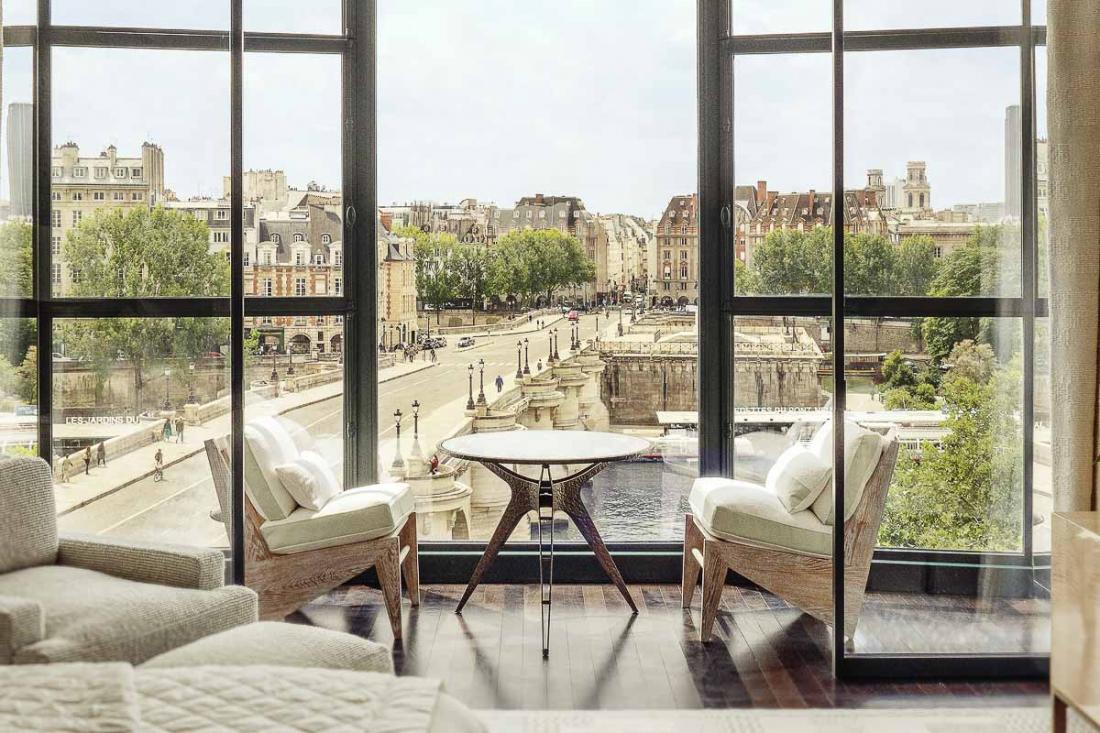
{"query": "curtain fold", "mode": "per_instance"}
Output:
(1073, 103)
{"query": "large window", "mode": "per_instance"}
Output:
(939, 159)
(474, 325)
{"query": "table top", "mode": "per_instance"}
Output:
(537, 447)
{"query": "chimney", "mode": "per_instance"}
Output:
(538, 198)
(812, 196)
(386, 218)
(761, 191)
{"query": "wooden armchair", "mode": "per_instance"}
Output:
(290, 561)
(800, 573)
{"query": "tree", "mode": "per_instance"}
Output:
(138, 253)
(436, 280)
(982, 266)
(792, 262)
(870, 265)
(966, 493)
(539, 261)
(915, 266)
(897, 371)
(470, 265)
(15, 259)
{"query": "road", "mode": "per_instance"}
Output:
(177, 509)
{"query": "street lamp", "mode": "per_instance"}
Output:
(470, 399)
(550, 356)
(526, 359)
(274, 370)
(191, 399)
(416, 419)
(290, 355)
(519, 360)
(557, 357)
(428, 323)
(397, 462)
(481, 388)
(167, 375)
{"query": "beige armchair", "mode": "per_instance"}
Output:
(91, 599)
(742, 526)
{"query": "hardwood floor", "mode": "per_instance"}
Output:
(765, 654)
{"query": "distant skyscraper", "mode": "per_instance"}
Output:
(20, 129)
(1013, 147)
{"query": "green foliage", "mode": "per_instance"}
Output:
(897, 372)
(915, 266)
(15, 259)
(791, 262)
(138, 253)
(436, 280)
(967, 493)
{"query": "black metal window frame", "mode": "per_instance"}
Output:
(355, 47)
(718, 46)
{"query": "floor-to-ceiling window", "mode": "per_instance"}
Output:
(929, 127)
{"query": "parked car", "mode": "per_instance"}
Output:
(435, 342)
(465, 341)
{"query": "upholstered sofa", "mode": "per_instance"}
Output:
(66, 598)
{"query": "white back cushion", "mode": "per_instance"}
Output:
(797, 477)
(269, 445)
(309, 480)
(862, 449)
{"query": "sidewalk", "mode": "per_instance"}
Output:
(136, 465)
(524, 327)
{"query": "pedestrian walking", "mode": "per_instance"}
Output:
(66, 470)
(500, 383)
(538, 366)
(100, 455)
(433, 356)
(166, 430)
(88, 460)
(179, 429)
(158, 465)
(528, 317)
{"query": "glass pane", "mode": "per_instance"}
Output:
(294, 371)
(121, 171)
(950, 391)
(17, 173)
(862, 15)
(1042, 472)
(206, 14)
(781, 16)
(1038, 12)
(20, 12)
(933, 181)
(783, 163)
(1042, 173)
(293, 244)
(18, 387)
(289, 16)
(133, 400)
(474, 268)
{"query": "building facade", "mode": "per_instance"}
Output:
(82, 185)
(676, 282)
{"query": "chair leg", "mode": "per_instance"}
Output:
(389, 577)
(714, 579)
(693, 540)
(410, 566)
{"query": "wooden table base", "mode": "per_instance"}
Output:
(563, 495)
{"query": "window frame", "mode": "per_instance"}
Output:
(718, 46)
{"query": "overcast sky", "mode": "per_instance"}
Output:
(496, 99)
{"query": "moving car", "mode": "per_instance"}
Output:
(465, 341)
(573, 315)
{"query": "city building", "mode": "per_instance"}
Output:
(82, 185)
(215, 213)
(397, 321)
(677, 245)
(629, 241)
(266, 187)
(805, 211)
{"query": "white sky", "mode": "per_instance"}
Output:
(496, 99)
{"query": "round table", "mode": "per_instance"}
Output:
(545, 495)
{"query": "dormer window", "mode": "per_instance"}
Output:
(326, 239)
(299, 238)
(276, 239)
(121, 172)
(80, 172)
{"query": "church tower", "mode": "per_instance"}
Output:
(917, 192)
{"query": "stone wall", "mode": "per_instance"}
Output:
(635, 386)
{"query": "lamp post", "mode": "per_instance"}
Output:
(481, 387)
(397, 461)
(290, 356)
(557, 357)
(428, 325)
(470, 398)
(416, 419)
(519, 360)
(526, 359)
(191, 399)
(274, 370)
(550, 356)
(167, 376)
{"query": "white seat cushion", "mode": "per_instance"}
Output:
(355, 515)
(267, 444)
(742, 511)
(862, 449)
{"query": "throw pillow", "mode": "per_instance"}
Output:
(797, 478)
(309, 480)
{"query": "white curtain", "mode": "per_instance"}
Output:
(1073, 102)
